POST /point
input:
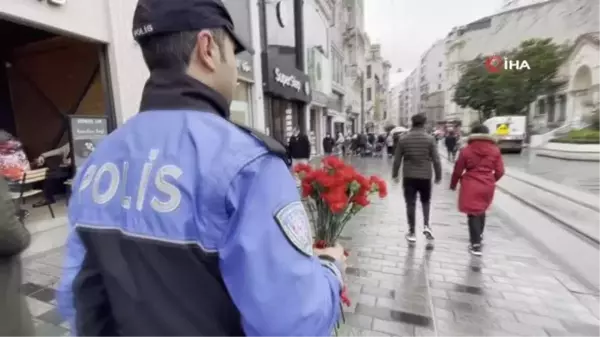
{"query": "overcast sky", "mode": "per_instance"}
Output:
(407, 28)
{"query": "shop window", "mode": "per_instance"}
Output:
(241, 106)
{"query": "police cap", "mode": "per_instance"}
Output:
(154, 17)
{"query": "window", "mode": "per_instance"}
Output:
(241, 106)
(337, 67)
(440, 76)
(440, 64)
(369, 71)
(369, 94)
(439, 87)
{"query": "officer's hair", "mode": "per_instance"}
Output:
(174, 50)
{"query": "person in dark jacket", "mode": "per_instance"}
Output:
(478, 168)
(328, 144)
(15, 318)
(362, 144)
(417, 153)
(451, 141)
(299, 147)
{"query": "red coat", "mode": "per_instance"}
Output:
(478, 167)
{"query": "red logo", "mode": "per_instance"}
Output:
(494, 64)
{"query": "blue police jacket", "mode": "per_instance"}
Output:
(182, 223)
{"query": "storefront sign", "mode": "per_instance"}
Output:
(85, 133)
(284, 81)
(287, 80)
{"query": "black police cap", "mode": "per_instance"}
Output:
(153, 17)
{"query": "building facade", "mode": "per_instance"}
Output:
(413, 96)
(246, 107)
(394, 98)
(561, 20)
(376, 88)
(320, 16)
(287, 90)
(431, 83)
(355, 46)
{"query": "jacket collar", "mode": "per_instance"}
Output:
(414, 129)
(171, 90)
(481, 136)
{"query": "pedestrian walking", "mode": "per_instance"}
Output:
(184, 223)
(328, 144)
(478, 168)
(390, 144)
(299, 147)
(340, 142)
(451, 142)
(417, 152)
(15, 317)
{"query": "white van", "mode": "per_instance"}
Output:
(509, 130)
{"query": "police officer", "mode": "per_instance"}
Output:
(183, 223)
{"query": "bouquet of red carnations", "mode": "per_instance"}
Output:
(333, 194)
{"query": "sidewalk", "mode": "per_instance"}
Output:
(511, 290)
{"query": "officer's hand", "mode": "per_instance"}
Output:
(396, 180)
(336, 252)
(437, 181)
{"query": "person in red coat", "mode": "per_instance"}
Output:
(478, 167)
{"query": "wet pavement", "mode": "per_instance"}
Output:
(580, 175)
(399, 290)
(403, 291)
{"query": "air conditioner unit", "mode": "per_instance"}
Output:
(57, 2)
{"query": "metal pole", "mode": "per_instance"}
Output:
(299, 33)
(299, 47)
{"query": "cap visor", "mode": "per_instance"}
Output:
(240, 45)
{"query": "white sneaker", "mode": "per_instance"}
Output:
(428, 233)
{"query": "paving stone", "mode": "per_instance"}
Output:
(536, 320)
(359, 321)
(46, 329)
(393, 328)
(401, 290)
(38, 307)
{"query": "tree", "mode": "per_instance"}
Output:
(510, 92)
(475, 88)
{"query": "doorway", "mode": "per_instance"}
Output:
(45, 79)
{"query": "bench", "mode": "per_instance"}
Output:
(29, 177)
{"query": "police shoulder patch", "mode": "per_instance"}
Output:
(294, 223)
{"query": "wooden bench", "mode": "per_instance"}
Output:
(29, 177)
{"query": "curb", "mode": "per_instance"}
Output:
(594, 207)
(550, 214)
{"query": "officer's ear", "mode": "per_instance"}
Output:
(207, 51)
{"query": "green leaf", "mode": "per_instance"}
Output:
(510, 92)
